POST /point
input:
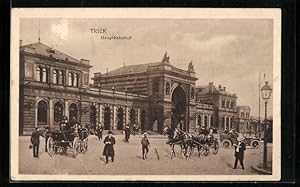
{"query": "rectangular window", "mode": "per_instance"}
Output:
(28, 70)
(86, 79)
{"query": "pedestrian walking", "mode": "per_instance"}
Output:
(35, 141)
(239, 149)
(127, 134)
(145, 146)
(108, 151)
(99, 132)
(134, 129)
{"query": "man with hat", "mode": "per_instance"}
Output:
(239, 149)
(127, 133)
(99, 131)
(35, 140)
(108, 151)
(145, 143)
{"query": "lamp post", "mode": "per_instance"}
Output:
(266, 93)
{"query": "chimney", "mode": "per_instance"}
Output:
(224, 88)
(220, 87)
(20, 43)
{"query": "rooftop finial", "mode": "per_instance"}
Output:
(166, 58)
(39, 38)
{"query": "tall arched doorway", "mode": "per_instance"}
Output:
(179, 109)
(106, 118)
(73, 112)
(58, 111)
(132, 117)
(120, 116)
(143, 119)
(93, 116)
(42, 113)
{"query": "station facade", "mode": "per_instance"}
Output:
(152, 96)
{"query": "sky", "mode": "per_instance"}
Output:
(227, 52)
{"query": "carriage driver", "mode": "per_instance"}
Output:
(177, 134)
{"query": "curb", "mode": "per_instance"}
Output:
(261, 170)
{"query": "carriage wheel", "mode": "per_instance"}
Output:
(226, 144)
(75, 146)
(50, 146)
(84, 145)
(255, 144)
(215, 147)
(206, 150)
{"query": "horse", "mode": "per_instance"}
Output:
(176, 139)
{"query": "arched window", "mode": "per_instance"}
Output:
(155, 87)
(42, 112)
(192, 93)
(39, 73)
(143, 119)
(73, 112)
(227, 104)
(75, 81)
(58, 111)
(205, 121)
(167, 88)
(70, 79)
(45, 75)
(227, 122)
(55, 77)
(199, 120)
(223, 103)
(60, 77)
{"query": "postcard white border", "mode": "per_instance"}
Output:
(178, 13)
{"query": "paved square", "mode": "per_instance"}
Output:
(128, 160)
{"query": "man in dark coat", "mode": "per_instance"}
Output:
(127, 133)
(239, 149)
(35, 140)
(108, 151)
(99, 132)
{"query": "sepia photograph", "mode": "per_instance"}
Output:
(145, 94)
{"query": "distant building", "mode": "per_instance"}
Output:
(243, 120)
(223, 103)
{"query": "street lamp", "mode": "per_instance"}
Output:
(266, 94)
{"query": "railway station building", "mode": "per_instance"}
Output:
(151, 95)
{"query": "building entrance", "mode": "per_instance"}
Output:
(179, 109)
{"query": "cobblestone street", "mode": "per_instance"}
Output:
(128, 160)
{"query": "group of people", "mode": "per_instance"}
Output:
(109, 141)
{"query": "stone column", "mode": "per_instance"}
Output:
(51, 113)
(202, 119)
(114, 117)
(225, 120)
(100, 114)
(67, 109)
(138, 116)
(209, 122)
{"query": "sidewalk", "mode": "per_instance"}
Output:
(259, 168)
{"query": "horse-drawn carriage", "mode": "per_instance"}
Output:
(203, 142)
(62, 139)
